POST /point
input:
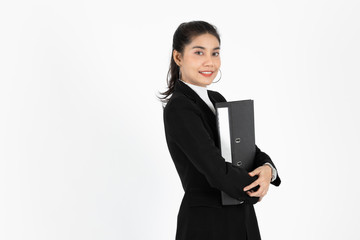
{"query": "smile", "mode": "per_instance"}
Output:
(206, 73)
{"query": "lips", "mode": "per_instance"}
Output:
(206, 73)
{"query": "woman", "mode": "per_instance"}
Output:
(192, 139)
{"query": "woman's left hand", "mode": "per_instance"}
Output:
(264, 173)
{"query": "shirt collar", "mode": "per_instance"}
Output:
(201, 91)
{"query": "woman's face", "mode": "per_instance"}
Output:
(200, 61)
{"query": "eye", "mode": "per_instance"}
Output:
(199, 53)
(216, 54)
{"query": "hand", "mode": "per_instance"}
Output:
(265, 173)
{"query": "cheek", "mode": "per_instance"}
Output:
(193, 61)
(192, 68)
(218, 62)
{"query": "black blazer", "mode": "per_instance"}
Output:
(192, 139)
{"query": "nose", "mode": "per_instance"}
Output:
(209, 61)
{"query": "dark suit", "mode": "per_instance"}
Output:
(192, 138)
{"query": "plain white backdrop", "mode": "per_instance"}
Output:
(82, 146)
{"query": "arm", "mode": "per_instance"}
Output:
(265, 175)
(261, 158)
(184, 125)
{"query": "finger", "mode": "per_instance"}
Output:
(261, 192)
(252, 194)
(254, 172)
(253, 184)
(255, 194)
(264, 187)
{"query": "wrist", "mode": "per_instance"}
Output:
(273, 171)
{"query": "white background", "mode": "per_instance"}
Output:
(82, 146)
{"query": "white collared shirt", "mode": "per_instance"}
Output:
(203, 94)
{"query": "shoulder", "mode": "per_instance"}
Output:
(217, 96)
(180, 111)
(178, 103)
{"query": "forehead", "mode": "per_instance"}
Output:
(204, 40)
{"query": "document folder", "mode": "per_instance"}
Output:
(235, 122)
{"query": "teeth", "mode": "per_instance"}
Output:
(207, 72)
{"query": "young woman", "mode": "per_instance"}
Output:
(192, 139)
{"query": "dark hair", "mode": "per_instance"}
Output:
(183, 35)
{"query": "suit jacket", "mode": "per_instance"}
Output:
(192, 138)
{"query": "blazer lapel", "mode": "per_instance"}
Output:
(206, 111)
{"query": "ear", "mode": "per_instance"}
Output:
(177, 57)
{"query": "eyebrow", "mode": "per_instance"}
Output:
(217, 48)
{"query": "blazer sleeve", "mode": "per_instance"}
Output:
(260, 157)
(184, 124)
